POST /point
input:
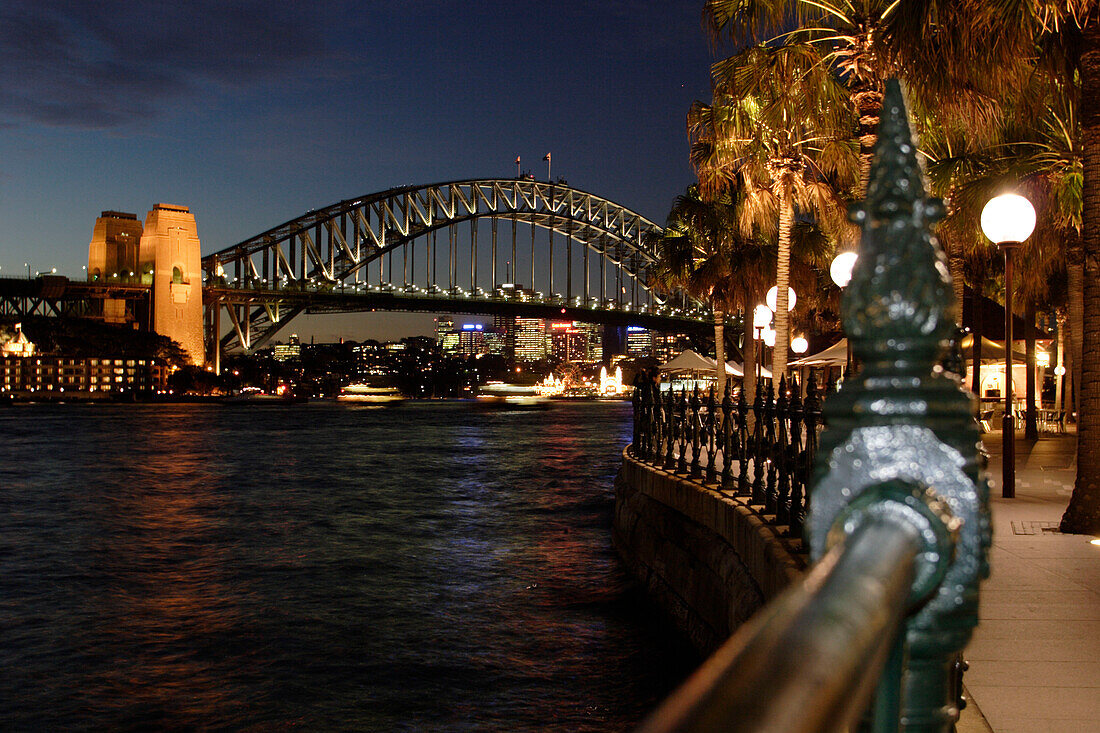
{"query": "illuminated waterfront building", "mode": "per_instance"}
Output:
(639, 341)
(530, 339)
(593, 341)
(576, 342)
(17, 345)
(55, 374)
(666, 346)
(288, 351)
(471, 339)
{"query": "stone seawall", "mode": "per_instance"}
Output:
(707, 559)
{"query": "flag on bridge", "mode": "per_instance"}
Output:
(517, 160)
(547, 158)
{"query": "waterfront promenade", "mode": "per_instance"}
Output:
(1035, 656)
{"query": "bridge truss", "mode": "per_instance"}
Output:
(549, 250)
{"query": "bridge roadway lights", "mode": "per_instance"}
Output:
(352, 236)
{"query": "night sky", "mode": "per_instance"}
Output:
(252, 113)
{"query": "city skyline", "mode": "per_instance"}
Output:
(251, 116)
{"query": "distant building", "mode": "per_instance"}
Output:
(471, 339)
(639, 341)
(529, 339)
(576, 342)
(668, 345)
(506, 327)
(17, 345)
(443, 327)
(593, 333)
(55, 374)
(288, 351)
(446, 338)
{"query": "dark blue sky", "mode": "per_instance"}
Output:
(252, 112)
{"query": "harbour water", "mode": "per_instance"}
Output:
(321, 567)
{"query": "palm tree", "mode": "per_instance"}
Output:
(702, 252)
(862, 41)
(1062, 39)
(779, 126)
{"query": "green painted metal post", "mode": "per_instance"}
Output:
(901, 434)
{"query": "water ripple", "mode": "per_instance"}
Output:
(322, 568)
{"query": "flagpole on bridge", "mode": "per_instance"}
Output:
(547, 159)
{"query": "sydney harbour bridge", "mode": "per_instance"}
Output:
(482, 246)
(493, 246)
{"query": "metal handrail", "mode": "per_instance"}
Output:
(899, 524)
(810, 661)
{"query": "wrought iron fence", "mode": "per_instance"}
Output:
(764, 451)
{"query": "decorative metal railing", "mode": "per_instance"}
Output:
(764, 452)
(899, 530)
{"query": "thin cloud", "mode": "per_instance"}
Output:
(110, 64)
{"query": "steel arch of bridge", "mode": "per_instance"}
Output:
(322, 261)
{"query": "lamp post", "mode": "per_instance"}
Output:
(1007, 220)
(761, 320)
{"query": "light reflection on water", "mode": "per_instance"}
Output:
(422, 568)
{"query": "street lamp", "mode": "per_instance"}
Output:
(761, 320)
(841, 273)
(1007, 220)
(841, 269)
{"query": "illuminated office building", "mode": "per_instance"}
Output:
(639, 341)
(530, 339)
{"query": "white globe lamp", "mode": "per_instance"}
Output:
(799, 345)
(841, 269)
(1008, 218)
(773, 298)
(761, 316)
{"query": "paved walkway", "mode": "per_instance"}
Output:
(1035, 657)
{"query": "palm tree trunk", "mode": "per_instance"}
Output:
(720, 349)
(1083, 514)
(748, 382)
(1031, 422)
(782, 282)
(955, 265)
(1075, 274)
(1068, 387)
(867, 96)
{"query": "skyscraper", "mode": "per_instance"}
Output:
(530, 339)
(639, 341)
